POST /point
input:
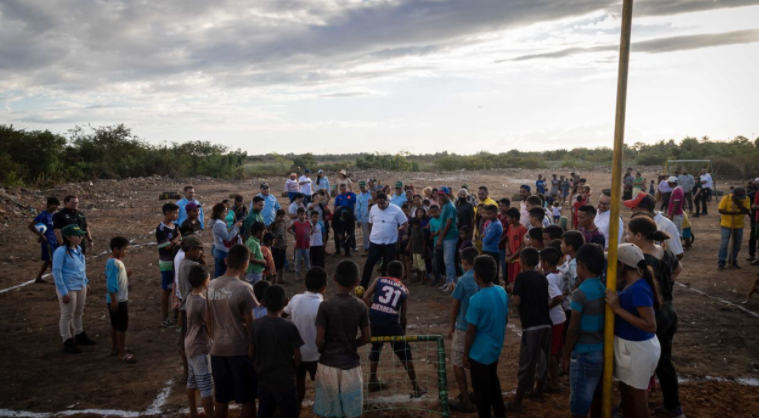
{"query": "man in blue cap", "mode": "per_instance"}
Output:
(271, 205)
(305, 186)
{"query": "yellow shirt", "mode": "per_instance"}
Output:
(732, 221)
(686, 221)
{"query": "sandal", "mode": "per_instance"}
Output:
(116, 353)
(458, 406)
(128, 359)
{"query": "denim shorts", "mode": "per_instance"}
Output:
(585, 373)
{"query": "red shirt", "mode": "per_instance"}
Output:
(676, 201)
(505, 224)
(302, 234)
(516, 236)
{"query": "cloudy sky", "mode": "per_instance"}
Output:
(380, 75)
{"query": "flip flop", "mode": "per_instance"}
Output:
(418, 393)
(128, 359)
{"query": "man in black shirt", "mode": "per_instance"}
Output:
(70, 215)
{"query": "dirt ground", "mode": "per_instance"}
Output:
(716, 346)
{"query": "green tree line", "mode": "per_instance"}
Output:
(42, 157)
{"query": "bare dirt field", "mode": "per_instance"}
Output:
(716, 348)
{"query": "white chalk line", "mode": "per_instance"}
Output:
(27, 283)
(701, 292)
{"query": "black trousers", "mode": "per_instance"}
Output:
(495, 256)
(700, 202)
(386, 252)
(666, 327)
(487, 389)
(665, 200)
(317, 256)
(345, 241)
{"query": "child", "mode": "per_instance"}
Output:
(492, 236)
(292, 210)
(275, 347)
(535, 238)
(46, 238)
(687, 232)
(556, 209)
(579, 202)
(416, 247)
(116, 297)
(192, 250)
(487, 317)
(279, 250)
(571, 241)
(549, 260)
(387, 299)
(301, 230)
(259, 289)
(316, 251)
(191, 225)
(651, 189)
(303, 309)
(465, 289)
(437, 252)
(503, 206)
(270, 271)
(197, 342)
(338, 379)
(168, 238)
(537, 214)
(230, 306)
(530, 292)
(585, 333)
(257, 262)
(70, 276)
(515, 244)
(535, 202)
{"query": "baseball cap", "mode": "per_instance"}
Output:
(672, 179)
(264, 185)
(191, 206)
(320, 171)
(444, 191)
(343, 172)
(398, 184)
(307, 171)
(72, 230)
(191, 241)
(361, 183)
(642, 200)
(629, 254)
(739, 191)
(465, 186)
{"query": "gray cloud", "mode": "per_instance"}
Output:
(80, 45)
(655, 46)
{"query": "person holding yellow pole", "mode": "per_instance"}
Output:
(636, 347)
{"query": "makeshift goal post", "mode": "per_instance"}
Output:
(694, 168)
(428, 356)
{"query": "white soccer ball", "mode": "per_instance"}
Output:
(41, 228)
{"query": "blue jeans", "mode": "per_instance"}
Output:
(585, 373)
(725, 242)
(449, 255)
(302, 255)
(219, 265)
(502, 253)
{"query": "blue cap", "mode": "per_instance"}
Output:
(444, 190)
(307, 171)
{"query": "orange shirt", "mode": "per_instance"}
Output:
(516, 235)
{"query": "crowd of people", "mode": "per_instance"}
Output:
(243, 339)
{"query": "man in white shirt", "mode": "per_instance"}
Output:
(385, 219)
(707, 185)
(305, 186)
(602, 220)
(646, 203)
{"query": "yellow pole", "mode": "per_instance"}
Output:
(616, 190)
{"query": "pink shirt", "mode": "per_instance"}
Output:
(676, 201)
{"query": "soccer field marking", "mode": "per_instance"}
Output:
(701, 292)
(155, 408)
(27, 283)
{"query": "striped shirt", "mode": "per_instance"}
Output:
(588, 301)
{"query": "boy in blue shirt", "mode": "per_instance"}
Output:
(387, 299)
(487, 317)
(47, 239)
(584, 344)
(465, 289)
(492, 236)
(116, 297)
(437, 256)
